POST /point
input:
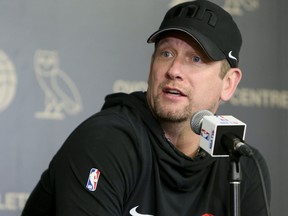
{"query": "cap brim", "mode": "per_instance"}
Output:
(207, 45)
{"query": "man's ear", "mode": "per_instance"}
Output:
(230, 83)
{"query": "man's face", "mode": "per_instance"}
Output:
(182, 80)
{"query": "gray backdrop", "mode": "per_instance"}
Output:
(59, 58)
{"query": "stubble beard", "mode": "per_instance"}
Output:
(175, 116)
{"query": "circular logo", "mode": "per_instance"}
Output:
(8, 81)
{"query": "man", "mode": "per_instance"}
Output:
(139, 156)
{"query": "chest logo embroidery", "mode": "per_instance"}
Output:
(133, 212)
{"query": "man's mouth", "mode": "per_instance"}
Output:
(173, 92)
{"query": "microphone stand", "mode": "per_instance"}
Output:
(234, 177)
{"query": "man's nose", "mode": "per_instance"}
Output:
(175, 69)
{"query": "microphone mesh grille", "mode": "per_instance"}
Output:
(197, 119)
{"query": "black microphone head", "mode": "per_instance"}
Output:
(197, 119)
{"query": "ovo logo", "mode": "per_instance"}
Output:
(236, 7)
(61, 94)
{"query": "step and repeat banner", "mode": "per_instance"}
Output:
(59, 58)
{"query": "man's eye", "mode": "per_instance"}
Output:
(196, 59)
(166, 54)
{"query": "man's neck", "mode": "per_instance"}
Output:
(182, 137)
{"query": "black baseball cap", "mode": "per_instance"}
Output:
(209, 24)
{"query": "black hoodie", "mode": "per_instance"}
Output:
(138, 171)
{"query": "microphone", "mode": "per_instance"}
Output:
(221, 135)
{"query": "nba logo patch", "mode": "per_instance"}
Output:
(93, 179)
(205, 134)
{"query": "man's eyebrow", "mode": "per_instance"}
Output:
(163, 41)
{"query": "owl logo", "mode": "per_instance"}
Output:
(61, 94)
(235, 7)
